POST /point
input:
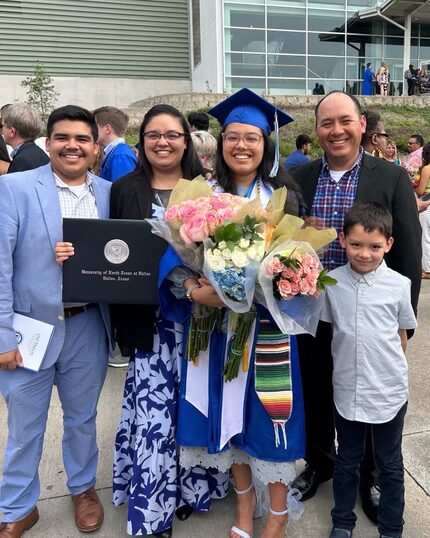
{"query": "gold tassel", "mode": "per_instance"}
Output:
(195, 361)
(245, 357)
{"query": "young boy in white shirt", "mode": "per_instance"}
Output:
(369, 309)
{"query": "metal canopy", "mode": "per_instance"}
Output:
(398, 10)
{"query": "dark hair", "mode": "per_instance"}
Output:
(302, 139)
(200, 120)
(368, 64)
(426, 154)
(282, 179)
(190, 163)
(418, 138)
(72, 113)
(372, 120)
(354, 99)
(372, 216)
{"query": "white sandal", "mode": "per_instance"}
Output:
(258, 511)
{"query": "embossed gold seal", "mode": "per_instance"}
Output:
(116, 251)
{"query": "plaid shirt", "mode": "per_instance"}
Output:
(331, 202)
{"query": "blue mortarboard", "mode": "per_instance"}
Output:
(247, 107)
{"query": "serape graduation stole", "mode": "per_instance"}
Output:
(273, 382)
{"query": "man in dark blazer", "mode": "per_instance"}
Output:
(330, 186)
(21, 126)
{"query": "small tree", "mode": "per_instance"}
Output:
(41, 92)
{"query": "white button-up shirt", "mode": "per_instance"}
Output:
(370, 372)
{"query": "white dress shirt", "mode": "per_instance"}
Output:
(370, 371)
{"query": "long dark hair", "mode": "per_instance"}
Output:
(190, 163)
(426, 154)
(282, 178)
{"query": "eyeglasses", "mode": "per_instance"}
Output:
(411, 142)
(386, 135)
(170, 136)
(251, 140)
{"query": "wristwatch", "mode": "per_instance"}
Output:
(190, 290)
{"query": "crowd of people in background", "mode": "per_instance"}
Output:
(380, 83)
(360, 187)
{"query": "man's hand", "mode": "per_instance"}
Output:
(10, 360)
(63, 251)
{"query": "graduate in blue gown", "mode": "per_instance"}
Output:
(256, 433)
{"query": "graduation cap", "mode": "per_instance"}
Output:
(247, 107)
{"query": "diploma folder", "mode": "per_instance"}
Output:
(115, 261)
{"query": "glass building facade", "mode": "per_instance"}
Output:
(287, 46)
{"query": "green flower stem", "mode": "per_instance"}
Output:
(241, 325)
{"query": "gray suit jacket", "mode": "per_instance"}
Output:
(30, 278)
(388, 185)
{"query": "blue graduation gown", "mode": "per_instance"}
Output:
(195, 429)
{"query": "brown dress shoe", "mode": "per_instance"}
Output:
(17, 528)
(88, 511)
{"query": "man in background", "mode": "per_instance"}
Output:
(21, 126)
(414, 158)
(298, 157)
(199, 121)
(374, 139)
(119, 159)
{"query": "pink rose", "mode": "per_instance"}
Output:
(216, 203)
(304, 286)
(186, 211)
(226, 213)
(171, 213)
(295, 288)
(284, 288)
(212, 220)
(197, 228)
(276, 265)
(295, 278)
(184, 235)
(288, 273)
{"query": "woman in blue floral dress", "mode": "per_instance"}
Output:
(146, 472)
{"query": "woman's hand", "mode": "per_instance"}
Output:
(207, 295)
(63, 251)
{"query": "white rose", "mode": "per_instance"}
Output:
(252, 252)
(239, 258)
(216, 263)
(226, 254)
(216, 252)
(222, 245)
(244, 243)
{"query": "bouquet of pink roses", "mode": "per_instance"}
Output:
(297, 274)
(291, 277)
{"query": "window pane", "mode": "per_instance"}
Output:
(326, 44)
(328, 85)
(245, 65)
(256, 84)
(425, 30)
(286, 66)
(331, 3)
(288, 87)
(360, 3)
(260, 2)
(393, 47)
(328, 21)
(286, 42)
(294, 19)
(356, 66)
(252, 17)
(364, 46)
(425, 49)
(326, 67)
(244, 40)
(298, 3)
